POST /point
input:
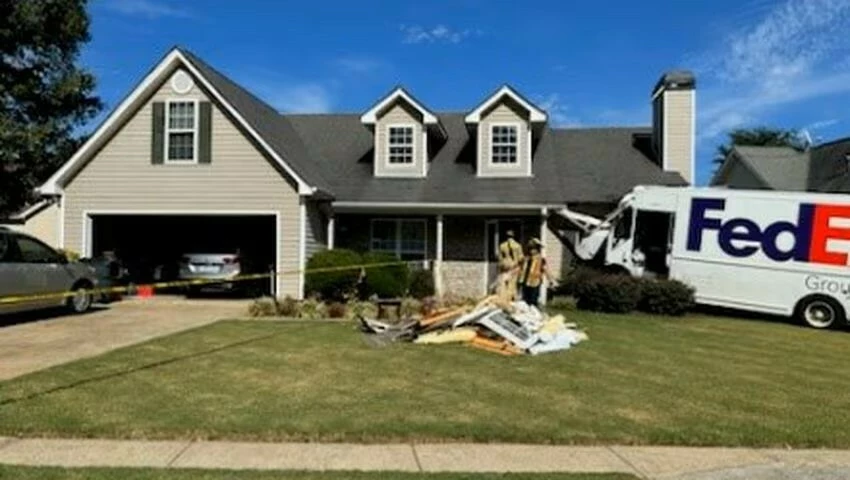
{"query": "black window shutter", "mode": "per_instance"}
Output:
(205, 133)
(158, 133)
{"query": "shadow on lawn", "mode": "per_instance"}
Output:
(148, 366)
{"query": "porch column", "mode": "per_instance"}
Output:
(438, 262)
(331, 227)
(543, 286)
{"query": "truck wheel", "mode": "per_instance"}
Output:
(821, 312)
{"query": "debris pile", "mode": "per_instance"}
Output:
(492, 325)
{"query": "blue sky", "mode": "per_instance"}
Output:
(758, 62)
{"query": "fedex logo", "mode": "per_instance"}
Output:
(742, 237)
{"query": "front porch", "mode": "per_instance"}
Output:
(458, 245)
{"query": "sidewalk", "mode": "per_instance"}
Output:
(646, 462)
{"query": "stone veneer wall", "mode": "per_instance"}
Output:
(463, 257)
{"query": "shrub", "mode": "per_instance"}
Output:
(666, 297)
(410, 307)
(288, 307)
(337, 310)
(71, 255)
(421, 284)
(608, 293)
(577, 276)
(561, 304)
(335, 285)
(362, 309)
(263, 307)
(387, 281)
(313, 309)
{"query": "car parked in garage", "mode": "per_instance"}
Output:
(29, 268)
(221, 272)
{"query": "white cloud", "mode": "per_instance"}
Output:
(302, 98)
(360, 65)
(792, 54)
(559, 113)
(438, 34)
(146, 8)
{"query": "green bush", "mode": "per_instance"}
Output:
(608, 293)
(262, 307)
(71, 255)
(337, 310)
(410, 307)
(313, 309)
(288, 307)
(387, 281)
(335, 285)
(362, 309)
(666, 297)
(577, 276)
(421, 284)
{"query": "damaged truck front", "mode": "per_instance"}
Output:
(781, 253)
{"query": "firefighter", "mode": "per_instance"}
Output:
(532, 271)
(510, 258)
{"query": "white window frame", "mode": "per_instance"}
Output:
(518, 128)
(412, 128)
(168, 131)
(397, 222)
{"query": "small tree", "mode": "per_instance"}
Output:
(44, 94)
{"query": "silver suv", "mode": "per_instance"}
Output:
(29, 268)
(220, 272)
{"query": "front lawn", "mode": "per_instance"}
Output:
(30, 473)
(639, 380)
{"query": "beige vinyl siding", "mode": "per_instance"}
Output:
(121, 177)
(397, 115)
(315, 236)
(555, 252)
(504, 112)
(43, 225)
(679, 132)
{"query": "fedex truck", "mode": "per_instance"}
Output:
(782, 253)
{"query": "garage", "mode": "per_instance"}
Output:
(152, 246)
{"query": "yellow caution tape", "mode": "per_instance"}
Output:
(191, 283)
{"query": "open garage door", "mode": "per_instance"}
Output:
(151, 246)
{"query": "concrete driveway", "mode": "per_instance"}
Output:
(39, 341)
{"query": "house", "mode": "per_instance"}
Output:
(191, 161)
(820, 168)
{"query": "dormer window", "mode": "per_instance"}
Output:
(400, 144)
(181, 132)
(503, 144)
(401, 126)
(506, 127)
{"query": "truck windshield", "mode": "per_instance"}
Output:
(624, 225)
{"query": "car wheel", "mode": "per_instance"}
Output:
(81, 300)
(821, 312)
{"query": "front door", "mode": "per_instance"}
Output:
(497, 232)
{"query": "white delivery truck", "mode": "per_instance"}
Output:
(782, 253)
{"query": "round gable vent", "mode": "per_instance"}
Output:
(181, 82)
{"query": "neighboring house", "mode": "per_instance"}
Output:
(821, 168)
(41, 220)
(190, 161)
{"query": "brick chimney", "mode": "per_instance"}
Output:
(674, 122)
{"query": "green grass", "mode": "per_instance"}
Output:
(639, 380)
(29, 473)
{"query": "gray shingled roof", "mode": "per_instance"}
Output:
(781, 168)
(823, 168)
(334, 153)
(570, 165)
(269, 124)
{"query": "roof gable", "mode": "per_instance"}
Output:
(535, 114)
(248, 112)
(399, 93)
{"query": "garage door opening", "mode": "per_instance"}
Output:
(151, 246)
